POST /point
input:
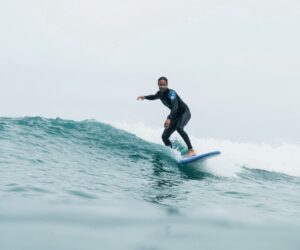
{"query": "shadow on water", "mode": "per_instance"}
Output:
(194, 171)
(167, 179)
(164, 179)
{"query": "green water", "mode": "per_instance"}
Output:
(87, 185)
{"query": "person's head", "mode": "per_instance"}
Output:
(162, 83)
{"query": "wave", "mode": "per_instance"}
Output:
(236, 157)
(37, 140)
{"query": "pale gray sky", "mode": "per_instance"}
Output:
(235, 63)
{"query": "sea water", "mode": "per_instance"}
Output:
(89, 185)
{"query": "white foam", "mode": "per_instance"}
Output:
(284, 158)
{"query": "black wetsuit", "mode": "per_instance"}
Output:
(180, 115)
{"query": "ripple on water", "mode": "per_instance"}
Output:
(81, 194)
(14, 188)
(238, 195)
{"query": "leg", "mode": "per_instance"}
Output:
(183, 120)
(167, 133)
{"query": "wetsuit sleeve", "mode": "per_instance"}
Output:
(152, 97)
(174, 104)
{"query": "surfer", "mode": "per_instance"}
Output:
(179, 116)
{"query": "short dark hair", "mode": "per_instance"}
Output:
(163, 78)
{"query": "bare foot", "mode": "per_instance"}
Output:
(190, 153)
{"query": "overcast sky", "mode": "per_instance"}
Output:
(235, 63)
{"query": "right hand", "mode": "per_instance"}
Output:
(141, 98)
(167, 123)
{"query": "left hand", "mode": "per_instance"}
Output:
(167, 123)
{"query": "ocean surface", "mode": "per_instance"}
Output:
(90, 185)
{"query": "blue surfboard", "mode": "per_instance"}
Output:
(198, 157)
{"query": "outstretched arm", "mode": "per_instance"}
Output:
(149, 97)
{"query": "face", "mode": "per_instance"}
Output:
(163, 85)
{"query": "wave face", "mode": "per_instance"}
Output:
(283, 159)
(98, 177)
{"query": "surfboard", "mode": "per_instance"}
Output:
(198, 157)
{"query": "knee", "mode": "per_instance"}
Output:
(180, 129)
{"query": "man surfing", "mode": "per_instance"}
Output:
(179, 116)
